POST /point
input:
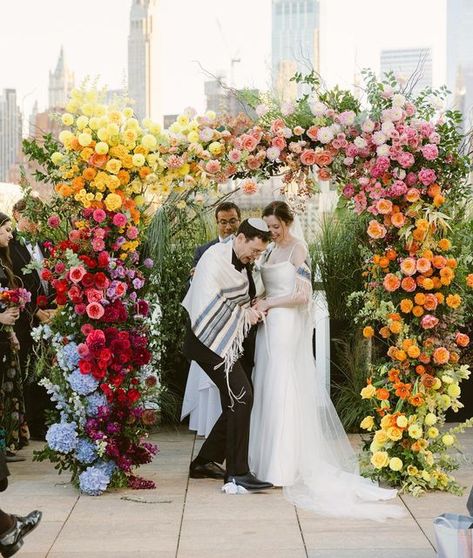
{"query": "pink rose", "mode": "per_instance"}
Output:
(234, 155)
(120, 288)
(427, 176)
(428, 321)
(94, 295)
(410, 109)
(98, 244)
(74, 235)
(132, 233)
(99, 215)
(119, 220)
(54, 221)
(86, 329)
(59, 268)
(430, 151)
(278, 142)
(249, 143)
(312, 132)
(83, 350)
(77, 273)
(79, 309)
(308, 157)
(348, 191)
(213, 166)
(95, 311)
(406, 160)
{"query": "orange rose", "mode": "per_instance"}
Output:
(368, 332)
(391, 282)
(453, 301)
(444, 244)
(430, 302)
(417, 311)
(420, 369)
(462, 340)
(441, 355)
(420, 298)
(89, 173)
(398, 220)
(78, 183)
(440, 297)
(406, 305)
(324, 174)
(446, 275)
(383, 262)
(423, 265)
(424, 358)
(408, 284)
(433, 190)
(407, 343)
(428, 254)
(384, 206)
(376, 259)
(391, 254)
(452, 262)
(439, 261)
(413, 351)
(382, 393)
(427, 380)
(427, 284)
(412, 195)
(408, 266)
(124, 176)
(419, 234)
(391, 352)
(454, 358)
(323, 158)
(469, 280)
(385, 332)
(376, 230)
(395, 327)
(400, 355)
(437, 282)
(439, 200)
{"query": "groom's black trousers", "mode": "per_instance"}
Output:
(229, 437)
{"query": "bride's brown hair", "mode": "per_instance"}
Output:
(5, 259)
(280, 210)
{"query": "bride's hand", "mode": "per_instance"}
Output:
(261, 306)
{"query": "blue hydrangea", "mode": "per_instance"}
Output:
(108, 467)
(93, 481)
(68, 357)
(86, 451)
(94, 401)
(83, 384)
(62, 437)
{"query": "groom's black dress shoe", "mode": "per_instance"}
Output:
(208, 470)
(248, 481)
(12, 540)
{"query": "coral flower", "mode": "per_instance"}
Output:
(382, 393)
(398, 219)
(412, 195)
(391, 282)
(430, 302)
(408, 266)
(441, 355)
(423, 265)
(439, 262)
(462, 340)
(376, 230)
(408, 284)
(384, 206)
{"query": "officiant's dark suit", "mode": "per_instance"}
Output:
(228, 441)
(36, 398)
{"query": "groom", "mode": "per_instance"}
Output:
(218, 304)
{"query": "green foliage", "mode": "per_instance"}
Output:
(41, 153)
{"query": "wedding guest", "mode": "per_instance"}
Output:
(25, 249)
(12, 408)
(13, 528)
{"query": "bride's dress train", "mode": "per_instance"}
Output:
(296, 439)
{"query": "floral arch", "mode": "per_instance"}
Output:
(398, 165)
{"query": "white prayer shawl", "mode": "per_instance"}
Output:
(217, 303)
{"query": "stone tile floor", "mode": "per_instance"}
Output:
(186, 518)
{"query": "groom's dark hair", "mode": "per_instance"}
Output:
(251, 232)
(227, 206)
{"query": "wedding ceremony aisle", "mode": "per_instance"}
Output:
(186, 518)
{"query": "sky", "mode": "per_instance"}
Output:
(196, 34)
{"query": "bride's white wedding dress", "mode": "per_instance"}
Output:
(296, 438)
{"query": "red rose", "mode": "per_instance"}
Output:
(103, 259)
(85, 367)
(88, 280)
(61, 299)
(46, 275)
(101, 280)
(133, 395)
(41, 301)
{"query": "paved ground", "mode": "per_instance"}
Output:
(192, 519)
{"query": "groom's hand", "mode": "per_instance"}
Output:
(254, 316)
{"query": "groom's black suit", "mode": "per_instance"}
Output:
(229, 437)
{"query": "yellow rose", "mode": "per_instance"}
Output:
(367, 423)
(380, 437)
(101, 148)
(426, 475)
(429, 457)
(368, 391)
(113, 202)
(402, 421)
(113, 165)
(138, 160)
(183, 120)
(415, 431)
(432, 432)
(129, 136)
(386, 422)
(394, 433)
(215, 148)
(448, 440)
(412, 471)
(445, 401)
(72, 106)
(128, 112)
(430, 419)
(102, 134)
(65, 136)
(132, 124)
(67, 119)
(88, 109)
(380, 459)
(94, 123)
(57, 158)
(395, 464)
(149, 141)
(437, 384)
(453, 390)
(82, 122)
(113, 129)
(175, 128)
(84, 139)
(193, 137)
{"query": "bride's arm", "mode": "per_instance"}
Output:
(302, 289)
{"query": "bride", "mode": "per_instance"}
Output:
(296, 438)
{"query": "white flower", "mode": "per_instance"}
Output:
(325, 134)
(287, 132)
(387, 127)
(379, 138)
(436, 102)
(367, 126)
(272, 153)
(398, 100)
(318, 108)
(261, 110)
(396, 113)
(287, 108)
(387, 91)
(382, 150)
(360, 142)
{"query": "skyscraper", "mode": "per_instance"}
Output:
(142, 69)
(414, 64)
(460, 56)
(61, 83)
(10, 132)
(295, 43)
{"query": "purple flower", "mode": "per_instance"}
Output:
(148, 263)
